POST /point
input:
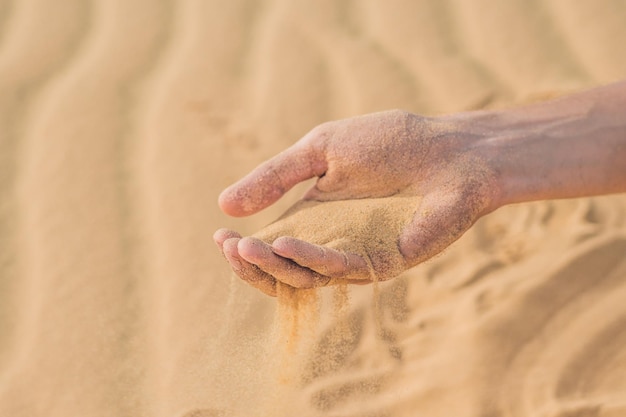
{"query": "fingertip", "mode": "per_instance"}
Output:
(230, 247)
(282, 245)
(217, 236)
(298, 250)
(248, 197)
(247, 271)
(223, 234)
(230, 203)
(222, 202)
(245, 243)
(252, 248)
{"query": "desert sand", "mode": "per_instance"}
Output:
(120, 123)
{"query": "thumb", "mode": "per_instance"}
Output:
(272, 179)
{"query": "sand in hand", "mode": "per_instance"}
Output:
(366, 227)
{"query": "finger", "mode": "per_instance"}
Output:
(438, 223)
(246, 271)
(260, 254)
(270, 180)
(222, 235)
(324, 260)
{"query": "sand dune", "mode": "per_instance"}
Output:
(120, 122)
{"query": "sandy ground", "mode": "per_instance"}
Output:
(120, 122)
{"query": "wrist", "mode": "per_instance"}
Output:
(566, 148)
(505, 148)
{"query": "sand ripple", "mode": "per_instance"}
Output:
(121, 121)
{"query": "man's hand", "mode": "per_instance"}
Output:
(367, 163)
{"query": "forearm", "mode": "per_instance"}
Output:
(571, 147)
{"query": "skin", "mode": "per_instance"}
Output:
(463, 166)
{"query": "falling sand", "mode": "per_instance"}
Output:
(367, 227)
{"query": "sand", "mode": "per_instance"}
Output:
(366, 227)
(120, 123)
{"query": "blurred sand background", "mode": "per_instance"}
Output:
(121, 121)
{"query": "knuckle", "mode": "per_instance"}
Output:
(320, 134)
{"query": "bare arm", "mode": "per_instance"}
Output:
(571, 147)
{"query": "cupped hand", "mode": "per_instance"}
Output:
(393, 190)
